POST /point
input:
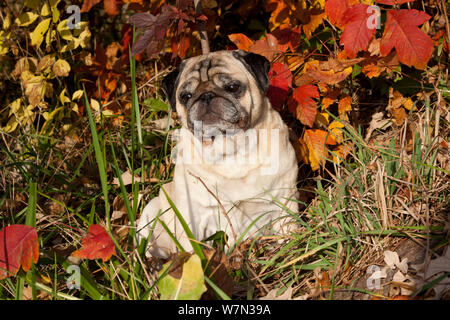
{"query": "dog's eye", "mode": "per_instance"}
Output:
(233, 87)
(185, 96)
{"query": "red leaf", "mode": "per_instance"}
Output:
(280, 80)
(302, 104)
(241, 41)
(356, 35)
(335, 10)
(413, 46)
(180, 46)
(393, 2)
(288, 38)
(97, 244)
(19, 246)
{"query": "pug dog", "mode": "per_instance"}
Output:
(235, 168)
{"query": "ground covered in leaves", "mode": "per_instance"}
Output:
(86, 141)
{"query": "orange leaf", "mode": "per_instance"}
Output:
(111, 7)
(280, 15)
(315, 141)
(413, 46)
(267, 47)
(345, 104)
(314, 22)
(356, 35)
(97, 244)
(241, 41)
(19, 246)
(302, 104)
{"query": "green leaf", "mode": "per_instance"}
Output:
(189, 286)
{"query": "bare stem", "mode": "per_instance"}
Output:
(201, 27)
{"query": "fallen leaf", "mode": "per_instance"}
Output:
(185, 280)
(97, 244)
(19, 246)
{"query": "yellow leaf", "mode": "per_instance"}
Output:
(77, 95)
(408, 104)
(336, 132)
(49, 36)
(322, 118)
(45, 64)
(189, 286)
(64, 31)
(63, 98)
(37, 36)
(26, 19)
(48, 9)
(49, 117)
(7, 22)
(18, 115)
(83, 39)
(61, 68)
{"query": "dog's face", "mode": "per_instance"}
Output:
(220, 92)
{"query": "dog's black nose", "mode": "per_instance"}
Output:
(207, 96)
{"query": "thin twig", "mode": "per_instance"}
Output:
(202, 29)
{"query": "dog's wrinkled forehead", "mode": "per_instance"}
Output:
(206, 68)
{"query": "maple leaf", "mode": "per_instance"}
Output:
(413, 46)
(241, 41)
(280, 80)
(19, 246)
(97, 244)
(302, 104)
(356, 35)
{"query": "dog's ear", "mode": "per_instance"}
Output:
(257, 65)
(169, 86)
